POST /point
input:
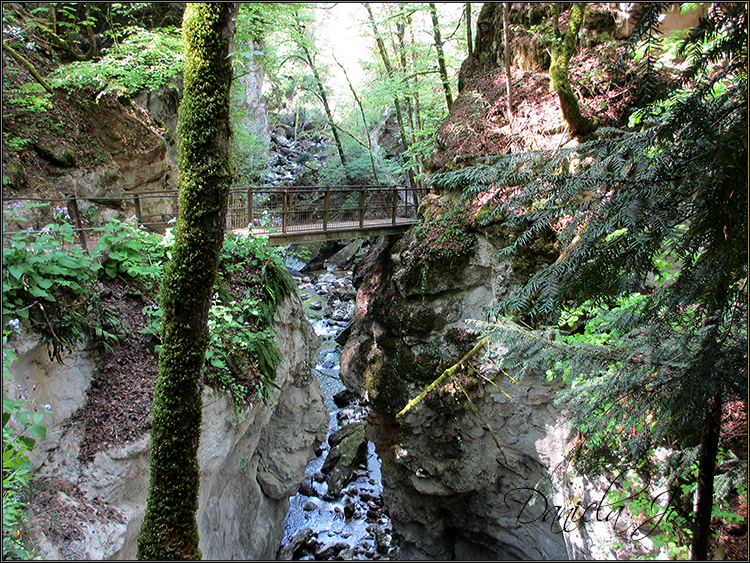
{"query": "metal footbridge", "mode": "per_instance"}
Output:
(295, 214)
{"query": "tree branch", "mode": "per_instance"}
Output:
(29, 67)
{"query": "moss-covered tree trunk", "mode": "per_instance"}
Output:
(562, 51)
(170, 530)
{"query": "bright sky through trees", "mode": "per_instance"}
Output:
(342, 30)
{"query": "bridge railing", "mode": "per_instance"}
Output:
(319, 208)
(284, 210)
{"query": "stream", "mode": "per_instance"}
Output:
(353, 524)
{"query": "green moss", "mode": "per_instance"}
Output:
(424, 320)
(169, 530)
(385, 389)
(403, 316)
(439, 246)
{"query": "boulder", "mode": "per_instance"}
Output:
(348, 450)
(296, 545)
(344, 258)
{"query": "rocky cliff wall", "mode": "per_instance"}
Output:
(251, 460)
(477, 468)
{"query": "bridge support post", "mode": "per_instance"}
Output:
(73, 207)
(361, 207)
(138, 214)
(284, 211)
(250, 209)
(326, 208)
(394, 205)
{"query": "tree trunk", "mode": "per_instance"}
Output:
(706, 472)
(507, 57)
(396, 102)
(562, 51)
(440, 55)
(326, 106)
(468, 37)
(364, 120)
(485, 41)
(28, 66)
(169, 529)
(401, 50)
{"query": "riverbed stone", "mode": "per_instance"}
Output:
(348, 450)
(297, 544)
(328, 552)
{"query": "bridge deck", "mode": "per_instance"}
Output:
(316, 213)
(313, 232)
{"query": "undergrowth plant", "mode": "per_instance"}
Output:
(22, 426)
(46, 280)
(144, 61)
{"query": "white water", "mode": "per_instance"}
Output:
(327, 518)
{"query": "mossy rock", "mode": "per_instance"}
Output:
(403, 316)
(385, 388)
(17, 174)
(66, 159)
(349, 451)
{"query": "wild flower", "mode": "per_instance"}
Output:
(61, 211)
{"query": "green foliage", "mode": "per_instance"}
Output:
(644, 49)
(235, 345)
(243, 353)
(145, 60)
(13, 143)
(358, 168)
(439, 246)
(30, 97)
(133, 253)
(21, 429)
(46, 281)
(27, 100)
(663, 525)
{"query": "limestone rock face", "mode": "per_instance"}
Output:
(148, 165)
(445, 480)
(476, 469)
(251, 461)
(453, 493)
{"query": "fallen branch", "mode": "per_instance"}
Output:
(445, 376)
(28, 66)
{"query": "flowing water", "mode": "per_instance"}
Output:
(360, 530)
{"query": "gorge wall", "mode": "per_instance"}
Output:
(477, 468)
(252, 459)
(447, 483)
